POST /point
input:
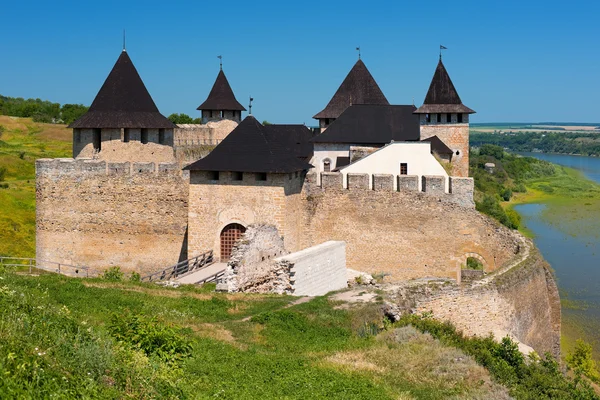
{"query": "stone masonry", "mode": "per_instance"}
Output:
(99, 214)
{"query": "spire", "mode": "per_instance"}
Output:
(442, 96)
(220, 63)
(221, 96)
(358, 87)
(124, 47)
(123, 102)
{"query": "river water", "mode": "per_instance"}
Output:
(574, 257)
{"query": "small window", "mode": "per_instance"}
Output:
(161, 136)
(238, 176)
(126, 135)
(439, 118)
(326, 165)
(213, 175)
(211, 113)
(144, 137)
(222, 114)
(428, 118)
(459, 118)
(261, 176)
(448, 118)
(296, 174)
(326, 121)
(403, 169)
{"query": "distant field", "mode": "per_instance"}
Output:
(21, 143)
(570, 127)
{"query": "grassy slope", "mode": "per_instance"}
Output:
(55, 336)
(22, 142)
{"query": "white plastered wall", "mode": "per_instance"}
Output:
(331, 151)
(387, 160)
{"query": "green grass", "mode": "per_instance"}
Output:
(21, 143)
(69, 338)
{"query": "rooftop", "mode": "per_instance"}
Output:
(221, 96)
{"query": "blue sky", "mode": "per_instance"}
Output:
(511, 61)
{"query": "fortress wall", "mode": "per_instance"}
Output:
(211, 133)
(407, 233)
(455, 136)
(100, 214)
(522, 302)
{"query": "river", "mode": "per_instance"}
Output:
(575, 257)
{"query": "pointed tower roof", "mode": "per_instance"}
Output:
(252, 148)
(359, 87)
(123, 102)
(442, 96)
(221, 96)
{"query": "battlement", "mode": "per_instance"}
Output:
(90, 167)
(459, 191)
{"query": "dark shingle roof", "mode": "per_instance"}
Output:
(123, 102)
(221, 96)
(252, 148)
(294, 138)
(438, 146)
(359, 87)
(373, 124)
(442, 96)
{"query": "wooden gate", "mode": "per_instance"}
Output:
(229, 235)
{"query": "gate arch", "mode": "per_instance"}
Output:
(228, 236)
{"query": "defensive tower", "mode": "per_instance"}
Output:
(221, 102)
(121, 119)
(444, 115)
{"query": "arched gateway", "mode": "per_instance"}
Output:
(229, 235)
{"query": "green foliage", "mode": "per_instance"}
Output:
(491, 206)
(135, 277)
(546, 141)
(265, 122)
(581, 361)
(3, 171)
(183, 119)
(151, 336)
(474, 263)
(506, 194)
(1, 130)
(492, 150)
(113, 274)
(40, 110)
(537, 379)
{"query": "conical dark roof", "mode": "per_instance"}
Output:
(442, 96)
(359, 87)
(123, 102)
(252, 148)
(221, 96)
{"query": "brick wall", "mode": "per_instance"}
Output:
(456, 137)
(100, 214)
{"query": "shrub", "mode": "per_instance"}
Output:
(581, 361)
(1, 130)
(490, 206)
(151, 336)
(506, 194)
(474, 263)
(135, 277)
(3, 171)
(113, 274)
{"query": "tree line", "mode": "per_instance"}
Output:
(587, 144)
(41, 110)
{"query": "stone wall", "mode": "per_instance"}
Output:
(456, 137)
(520, 300)
(315, 271)
(115, 148)
(100, 214)
(215, 204)
(407, 233)
(211, 133)
(253, 267)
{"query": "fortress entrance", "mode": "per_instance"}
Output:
(229, 235)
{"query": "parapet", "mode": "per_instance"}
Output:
(460, 190)
(81, 167)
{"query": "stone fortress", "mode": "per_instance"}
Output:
(384, 186)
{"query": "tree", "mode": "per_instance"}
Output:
(580, 359)
(71, 112)
(180, 119)
(265, 122)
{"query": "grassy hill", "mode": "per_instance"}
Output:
(23, 141)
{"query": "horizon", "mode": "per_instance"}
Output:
(292, 62)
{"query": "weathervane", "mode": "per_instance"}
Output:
(124, 48)
(250, 105)
(358, 49)
(442, 48)
(220, 62)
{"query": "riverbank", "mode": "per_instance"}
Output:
(562, 214)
